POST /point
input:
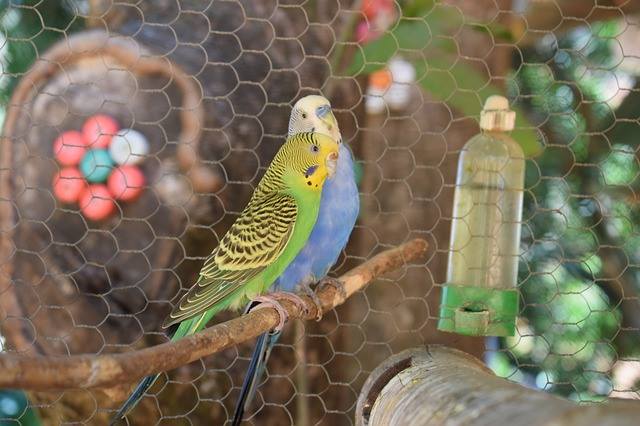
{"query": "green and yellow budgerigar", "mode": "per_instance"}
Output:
(261, 243)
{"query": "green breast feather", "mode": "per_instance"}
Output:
(257, 248)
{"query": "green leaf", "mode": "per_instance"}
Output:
(446, 78)
(409, 34)
(495, 30)
(416, 7)
(465, 89)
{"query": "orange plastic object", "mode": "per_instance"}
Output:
(69, 148)
(380, 79)
(96, 203)
(68, 184)
(98, 130)
(126, 183)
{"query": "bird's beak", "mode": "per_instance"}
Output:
(332, 163)
(322, 111)
(330, 123)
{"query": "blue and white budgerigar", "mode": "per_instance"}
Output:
(339, 207)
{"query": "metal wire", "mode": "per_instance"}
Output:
(211, 84)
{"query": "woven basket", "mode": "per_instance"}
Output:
(69, 285)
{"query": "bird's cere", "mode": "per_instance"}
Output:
(323, 110)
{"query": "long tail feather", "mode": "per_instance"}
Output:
(184, 329)
(264, 345)
(133, 399)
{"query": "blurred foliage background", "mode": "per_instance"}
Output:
(578, 106)
(579, 271)
(28, 27)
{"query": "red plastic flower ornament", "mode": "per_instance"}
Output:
(99, 166)
(379, 16)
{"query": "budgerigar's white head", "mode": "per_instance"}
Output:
(313, 114)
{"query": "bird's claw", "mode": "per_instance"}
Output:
(272, 300)
(293, 298)
(316, 300)
(335, 283)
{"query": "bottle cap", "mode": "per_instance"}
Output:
(496, 115)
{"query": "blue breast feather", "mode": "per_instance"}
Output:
(339, 207)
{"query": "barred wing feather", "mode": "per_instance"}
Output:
(255, 241)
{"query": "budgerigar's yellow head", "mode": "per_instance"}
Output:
(309, 159)
(313, 114)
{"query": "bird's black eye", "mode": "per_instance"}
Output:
(315, 148)
(304, 115)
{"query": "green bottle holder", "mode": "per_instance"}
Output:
(477, 311)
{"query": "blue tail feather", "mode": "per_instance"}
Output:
(259, 358)
(133, 399)
(185, 328)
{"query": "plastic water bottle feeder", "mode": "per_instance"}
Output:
(480, 297)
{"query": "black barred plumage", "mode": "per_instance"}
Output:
(288, 154)
(269, 222)
(259, 235)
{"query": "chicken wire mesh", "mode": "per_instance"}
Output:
(211, 84)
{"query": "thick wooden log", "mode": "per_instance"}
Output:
(436, 385)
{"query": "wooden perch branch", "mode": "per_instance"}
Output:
(87, 371)
(435, 385)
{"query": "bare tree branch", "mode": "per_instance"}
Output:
(88, 371)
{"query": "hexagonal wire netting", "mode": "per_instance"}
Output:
(210, 85)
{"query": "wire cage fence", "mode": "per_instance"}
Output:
(210, 86)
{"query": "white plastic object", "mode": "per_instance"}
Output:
(374, 102)
(128, 147)
(487, 209)
(399, 94)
